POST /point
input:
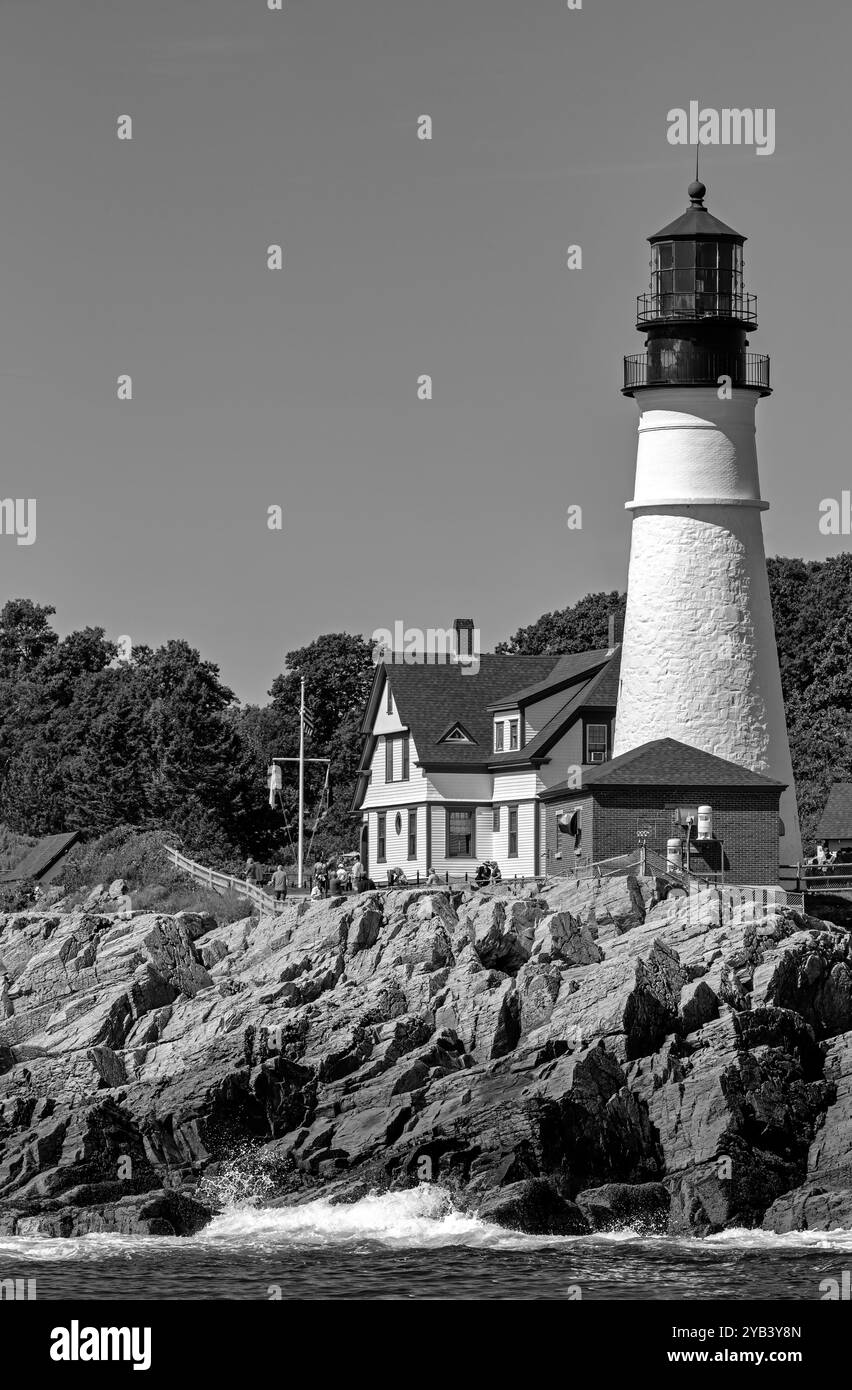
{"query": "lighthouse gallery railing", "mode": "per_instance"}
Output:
(697, 368)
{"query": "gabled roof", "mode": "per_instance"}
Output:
(836, 820)
(601, 692)
(431, 697)
(666, 762)
(567, 670)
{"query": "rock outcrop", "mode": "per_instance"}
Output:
(562, 1059)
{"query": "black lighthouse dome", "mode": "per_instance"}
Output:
(697, 313)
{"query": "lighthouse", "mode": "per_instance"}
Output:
(699, 659)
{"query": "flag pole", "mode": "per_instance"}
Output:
(301, 781)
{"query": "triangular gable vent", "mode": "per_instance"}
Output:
(456, 733)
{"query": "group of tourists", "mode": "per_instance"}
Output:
(826, 859)
(329, 878)
(488, 872)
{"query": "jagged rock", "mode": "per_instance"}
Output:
(639, 1207)
(607, 906)
(561, 937)
(698, 1005)
(501, 932)
(559, 1035)
(810, 972)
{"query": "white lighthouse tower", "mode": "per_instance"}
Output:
(699, 659)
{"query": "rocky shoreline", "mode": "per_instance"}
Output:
(572, 1058)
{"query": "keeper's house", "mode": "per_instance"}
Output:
(455, 763)
(514, 763)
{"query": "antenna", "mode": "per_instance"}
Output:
(696, 161)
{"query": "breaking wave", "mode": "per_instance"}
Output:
(423, 1217)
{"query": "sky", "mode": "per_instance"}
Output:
(298, 388)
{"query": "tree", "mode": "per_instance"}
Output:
(581, 628)
(25, 635)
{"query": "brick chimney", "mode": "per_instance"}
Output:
(616, 628)
(463, 628)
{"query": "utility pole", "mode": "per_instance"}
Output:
(301, 783)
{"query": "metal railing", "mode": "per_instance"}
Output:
(692, 305)
(696, 368)
(816, 878)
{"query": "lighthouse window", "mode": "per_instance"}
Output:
(666, 282)
(705, 257)
(664, 256)
(684, 255)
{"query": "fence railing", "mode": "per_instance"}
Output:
(818, 878)
(212, 878)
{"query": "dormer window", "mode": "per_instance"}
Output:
(597, 743)
(498, 736)
(514, 734)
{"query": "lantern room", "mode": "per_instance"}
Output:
(697, 312)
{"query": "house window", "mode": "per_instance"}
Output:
(390, 742)
(397, 824)
(381, 819)
(513, 733)
(461, 834)
(596, 743)
(498, 736)
(412, 834)
(513, 832)
(389, 705)
(495, 824)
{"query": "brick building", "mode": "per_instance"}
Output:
(657, 789)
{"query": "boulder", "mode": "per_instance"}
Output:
(639, 1207)
(535, 1207)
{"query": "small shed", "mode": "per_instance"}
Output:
(44, 861)
(835, 827)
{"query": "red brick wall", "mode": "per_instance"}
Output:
(746, 819)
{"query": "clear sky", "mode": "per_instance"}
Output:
(298, 387)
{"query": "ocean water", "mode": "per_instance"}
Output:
(415, 1245)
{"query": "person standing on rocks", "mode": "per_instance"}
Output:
(279, 883)
(357, 876)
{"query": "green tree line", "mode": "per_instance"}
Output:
(90, 741)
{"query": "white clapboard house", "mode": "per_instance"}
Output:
(455, 762)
